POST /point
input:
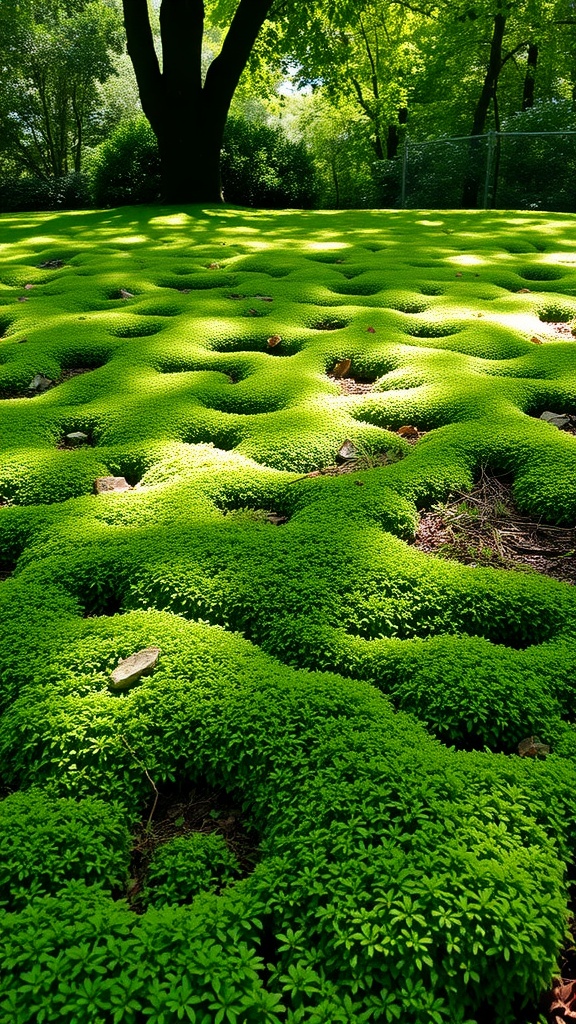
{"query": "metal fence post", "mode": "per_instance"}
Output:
(489, 159)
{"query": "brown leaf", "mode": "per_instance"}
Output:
(536, 341)
(407, 431)
(185, 291)
(274, 340)
(342, 367)
(564, 998)
(264, 298)
(214, 266)
(252, 311)
(29, 286)
(523, 291)
(532, 747)
(124, 294)
(458, 275)
(235, 295)
(371, 330)
(22, 298)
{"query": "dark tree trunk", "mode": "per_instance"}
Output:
(530, 77)
(472, 177)
(392, 141)
(188, 118)
(393, 138)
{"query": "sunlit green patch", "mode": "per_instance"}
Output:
(360, 700)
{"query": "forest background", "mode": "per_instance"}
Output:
(323, 111)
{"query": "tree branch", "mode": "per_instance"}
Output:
(140, 46)
(225, 70)
(363, 103)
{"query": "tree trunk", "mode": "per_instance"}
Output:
(189, 149)
(187, 117)
(393, 137)
(529, 79)
(472, 176)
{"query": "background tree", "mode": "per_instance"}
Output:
(53, 55)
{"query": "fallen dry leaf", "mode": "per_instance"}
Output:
(214, 266)
(371, 330)
(342, 367)
(407, 431)
(532, 747)
(264, 298)
(252, 311)
(523, 291)
(274, 340)
(458, 275)
(564, 999)
(124, 294)
(28, 286)
(535, 340)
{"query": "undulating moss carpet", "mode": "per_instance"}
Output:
(358, 701)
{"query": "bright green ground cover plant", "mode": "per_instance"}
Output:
(411, 865)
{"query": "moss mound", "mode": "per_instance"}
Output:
(359, 701)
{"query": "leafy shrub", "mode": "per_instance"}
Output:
(538, 171)
(187, 866)
(262, 167)
(126, 167)
(71, 192)
(47, 841)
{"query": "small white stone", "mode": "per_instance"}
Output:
(77, 437)
(129, 670)
(105, 484)
(40, 383)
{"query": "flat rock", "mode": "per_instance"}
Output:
(347, 452)
(76, 437)
(557, 419)
(129, 670)
(40, 383)
(104, 484)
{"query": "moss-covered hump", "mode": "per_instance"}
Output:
(396, 877)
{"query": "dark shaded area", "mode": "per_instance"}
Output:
(181, 809)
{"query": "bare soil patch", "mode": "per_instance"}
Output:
(483, 527)
(351, 386)
(562, 329)
(181, 810)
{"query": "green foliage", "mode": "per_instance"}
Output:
(187, 866)
(126, 168)
(53, 56)
(45, 842)
(398, 876)
(537, 172)
(262, 167)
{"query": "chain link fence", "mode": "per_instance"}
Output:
(499, 170)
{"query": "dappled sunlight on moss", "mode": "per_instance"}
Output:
(309, 654)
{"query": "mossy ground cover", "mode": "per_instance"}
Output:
(358, 701)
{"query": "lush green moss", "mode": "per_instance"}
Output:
(397, 877)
